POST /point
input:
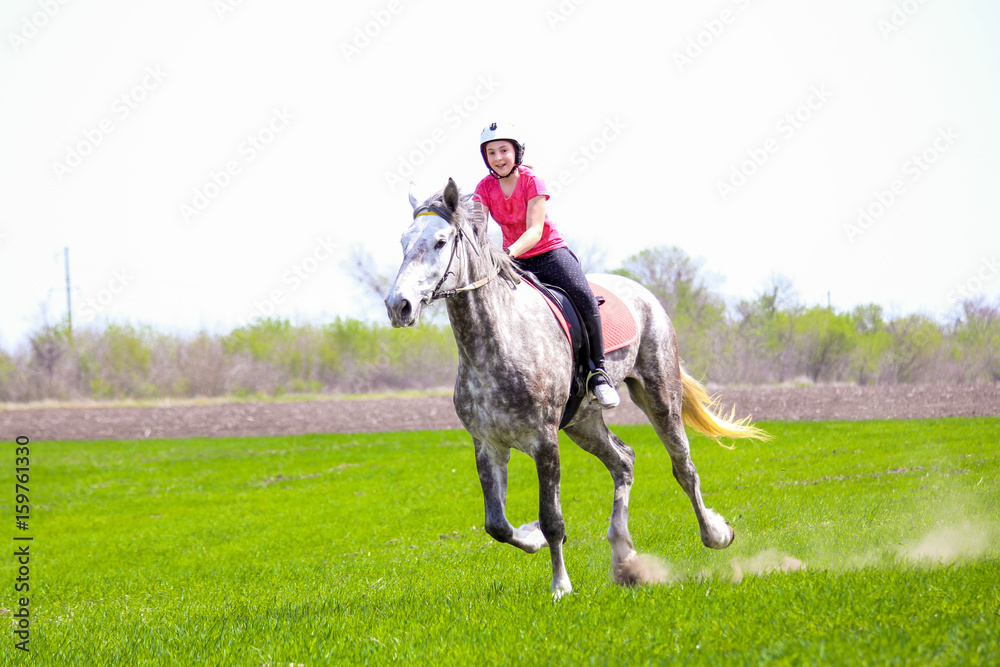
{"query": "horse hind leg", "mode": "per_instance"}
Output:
(662, 405)
(593, 436)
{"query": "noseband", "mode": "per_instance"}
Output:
(460, 236)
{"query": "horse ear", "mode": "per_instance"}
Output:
(451, 195)
(413, 199)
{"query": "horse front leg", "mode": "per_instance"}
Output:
(491, 462)
(550, 517)
(592, 435)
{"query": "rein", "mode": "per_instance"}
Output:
(459, 237)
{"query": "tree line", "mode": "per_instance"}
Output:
(765, 340)
(773, 339)
(270, 357)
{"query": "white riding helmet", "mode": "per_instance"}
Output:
(501, 132)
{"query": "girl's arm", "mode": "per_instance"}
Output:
(536, 224)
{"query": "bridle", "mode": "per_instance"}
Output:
(460, 237)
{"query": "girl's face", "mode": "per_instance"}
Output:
(501, 157)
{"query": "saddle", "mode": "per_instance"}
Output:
(617, 325)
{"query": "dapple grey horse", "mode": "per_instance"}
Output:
(514, 376)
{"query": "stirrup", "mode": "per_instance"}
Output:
(604, 392)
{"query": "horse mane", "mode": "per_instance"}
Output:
(471, 218)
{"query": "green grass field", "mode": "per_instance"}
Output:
(336, 549)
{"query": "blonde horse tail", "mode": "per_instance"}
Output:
(701, 412)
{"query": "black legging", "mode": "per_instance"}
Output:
(561, 268)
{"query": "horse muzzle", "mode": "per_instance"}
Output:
(403, 312)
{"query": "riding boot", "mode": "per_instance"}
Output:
(560, 267)
(598, 381)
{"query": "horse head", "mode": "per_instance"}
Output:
(431, 261)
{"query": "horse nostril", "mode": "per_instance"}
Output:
(405, 309)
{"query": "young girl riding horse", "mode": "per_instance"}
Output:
(515, 197)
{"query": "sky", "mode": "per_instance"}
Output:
(209, 162)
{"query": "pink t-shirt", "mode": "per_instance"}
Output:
(511, 213)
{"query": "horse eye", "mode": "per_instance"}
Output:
(439, 244)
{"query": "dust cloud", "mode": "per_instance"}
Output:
(939, 547)
(947, 545)
(764, 563)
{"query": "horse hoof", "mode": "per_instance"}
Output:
(626, 574)
(640, 569)
(560, 589)
(732, 535)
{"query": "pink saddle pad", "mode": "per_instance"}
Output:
(617, 322)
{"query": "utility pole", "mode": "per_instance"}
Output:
(69, 316)
(69, 300)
